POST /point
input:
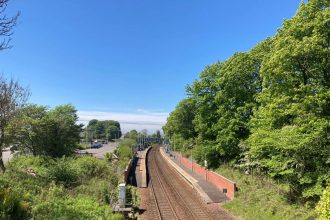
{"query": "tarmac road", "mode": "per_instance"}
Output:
(100, 152)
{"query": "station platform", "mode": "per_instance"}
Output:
(138, 172)
(208, 191)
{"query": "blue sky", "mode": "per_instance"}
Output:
(129, 58)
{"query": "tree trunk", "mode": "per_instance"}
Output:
(2, 165)
(2, 141)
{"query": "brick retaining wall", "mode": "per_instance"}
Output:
(219, 181)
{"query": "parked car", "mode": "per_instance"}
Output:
(96, 145)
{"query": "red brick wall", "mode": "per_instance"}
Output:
(219, 181)
(222, 182)
(198, 169)
(185, 162)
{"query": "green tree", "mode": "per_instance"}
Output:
(100, 129)
(203, 93)
(112, 132)
(62, 130)
(133, 134)
(29, 129)
(180, 121)
(12, 97)
(290, 129)
(268, 107)
(323, 207)
(92, 122)
(239, 82)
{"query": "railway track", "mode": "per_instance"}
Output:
(173, 198)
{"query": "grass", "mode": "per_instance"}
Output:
(262, 199)
(125, 152)
(62, 188)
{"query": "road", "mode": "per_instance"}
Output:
(100, 152)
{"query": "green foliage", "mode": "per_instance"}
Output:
(133, 134)
(125, 154)
(266, 109)
(113, 132)
(28, 129)
(180, 121)
(41, 132)
(68, 171)
(203, 93)
(22, 163)
(290, 129)
(64, 133)
(59, 188)
(107, 129)
(55, 204)
(108, 156)
(323, 207)
(64, 171)
(13, 205)
(125, 151)
(104, 190)
(259, 197)
(132, 196)
(90, 167)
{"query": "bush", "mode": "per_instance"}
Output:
(23, 163)
(13, 205)
(100, 189)
(55, 204)
(60, 188)
(261, 198)
(64, 171)
(91, 167)
(108, 156)
(125, 151)
(323, 207)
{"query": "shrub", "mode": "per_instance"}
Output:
(55, 204)
(64, 171)
(262, 198)
(103, 190)
(23, 163)
(108, 156)
(125, 151)
(323, 207)
(13, 205)
(91, 167)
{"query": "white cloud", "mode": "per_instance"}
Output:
(144, 119)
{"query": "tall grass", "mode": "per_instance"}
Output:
(262, 199)
(63, 188)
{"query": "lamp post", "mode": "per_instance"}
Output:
(191, 150)
(205, 163)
